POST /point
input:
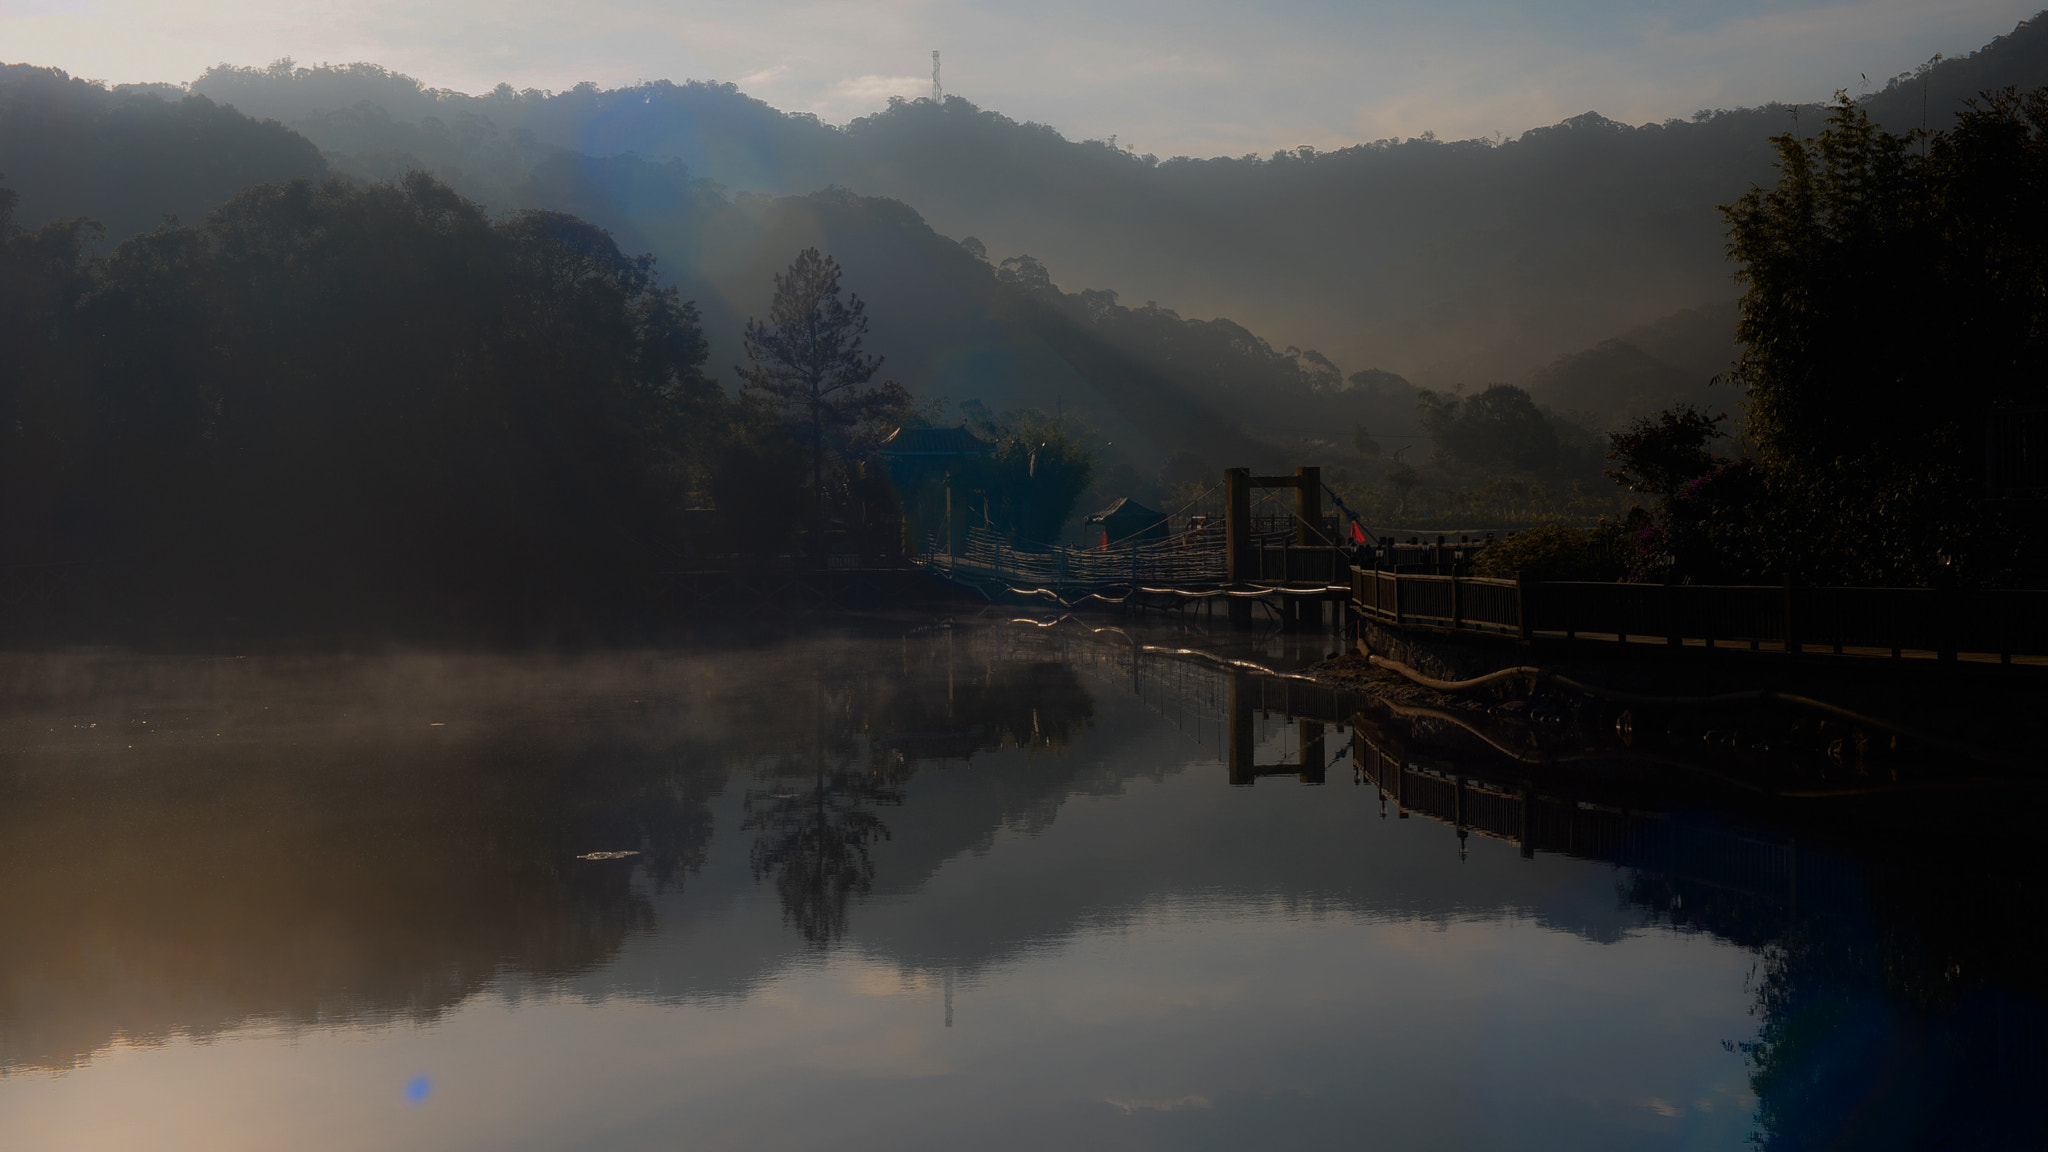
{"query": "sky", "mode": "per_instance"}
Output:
(1171, 77)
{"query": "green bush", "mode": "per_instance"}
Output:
(1555, 552)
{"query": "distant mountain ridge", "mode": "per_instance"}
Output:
(1445, 261)
(1583, 260)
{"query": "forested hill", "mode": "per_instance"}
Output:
(959, 326)
(952, 329)
(126, 157)
(1445, 261)
(1584, 260)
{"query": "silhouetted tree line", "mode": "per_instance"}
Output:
(343, 407)
(333, 405)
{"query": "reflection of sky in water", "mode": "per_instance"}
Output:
(1181, 1029)
(1101, 945)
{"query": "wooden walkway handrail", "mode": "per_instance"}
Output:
(1999, 624)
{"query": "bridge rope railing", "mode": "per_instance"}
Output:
(1189, 558)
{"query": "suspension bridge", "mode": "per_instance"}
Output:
(1296, 567)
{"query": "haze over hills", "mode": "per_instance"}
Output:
(1443, 261)
(1583, 260)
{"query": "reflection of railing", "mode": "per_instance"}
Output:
(1535, 820)
(1191, 695)
(1872, 621)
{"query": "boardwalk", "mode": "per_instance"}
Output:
(1977, 626)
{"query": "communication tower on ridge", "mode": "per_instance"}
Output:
(938, 93)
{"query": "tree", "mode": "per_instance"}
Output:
(1403, 480)
(808, 359)
(1659, 456)
(1033, 476)
(1897, 299)
(1500, 427)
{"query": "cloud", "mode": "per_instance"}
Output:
(763, 77)
(869, 90)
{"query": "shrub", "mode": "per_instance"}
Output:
(1555, 552)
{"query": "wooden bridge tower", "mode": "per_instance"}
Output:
(1241, 564)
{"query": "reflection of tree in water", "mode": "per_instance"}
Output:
(1897, 1005)
(815, 822)
(874, 723)
(815, 843)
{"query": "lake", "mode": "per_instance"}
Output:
(912, 884)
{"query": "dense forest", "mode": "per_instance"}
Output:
(333, 406)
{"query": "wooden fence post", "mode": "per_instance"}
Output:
(1672, 636)
(1945, 621)
(1457, 599)
(1791, 633)
(1524, 603)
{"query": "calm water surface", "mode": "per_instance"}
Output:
(926, 886)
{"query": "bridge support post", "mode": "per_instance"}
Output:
(1237, 537)
(1242, 770)
(1313, 758)
(1308, 507)
(1308, 533)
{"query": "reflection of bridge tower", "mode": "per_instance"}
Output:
(1243, 769)
(1218, 707)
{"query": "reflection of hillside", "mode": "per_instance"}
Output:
(331, 854)
(332, 857)
(380, 837)
(964, 691)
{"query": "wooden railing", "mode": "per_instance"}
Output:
(1869, 621)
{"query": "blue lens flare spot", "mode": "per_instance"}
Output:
(417, 1088)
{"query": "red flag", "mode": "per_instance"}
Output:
(1357, 533)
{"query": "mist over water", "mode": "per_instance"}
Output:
(942, 883)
